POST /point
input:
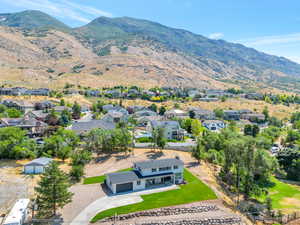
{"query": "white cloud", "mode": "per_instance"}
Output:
(271, 40)
(216, 36)
(61, 9)
(287, 45)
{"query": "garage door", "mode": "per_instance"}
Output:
(124, 187)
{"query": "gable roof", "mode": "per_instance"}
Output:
(43, 161)
(82, 127)
(159, 163)
(165, 123)
(122, 177)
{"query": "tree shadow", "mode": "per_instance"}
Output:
(154, 154)
(192, 164)
(101, 158)
(121, 157)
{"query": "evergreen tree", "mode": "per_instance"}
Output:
(162, 110)
(76, 111)
(192, 114)
(153, 107)
(266, 113)
(52, 191)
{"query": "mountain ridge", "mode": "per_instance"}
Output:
(143, 50)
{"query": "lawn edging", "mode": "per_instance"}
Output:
(195, 190)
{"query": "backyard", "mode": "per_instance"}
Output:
(193, 191)
(285, 197)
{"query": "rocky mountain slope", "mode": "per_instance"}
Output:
(125, 51)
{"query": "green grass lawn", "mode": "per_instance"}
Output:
(279, 192)
(195, 190)
(99, 179)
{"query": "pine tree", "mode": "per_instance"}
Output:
(52, 191)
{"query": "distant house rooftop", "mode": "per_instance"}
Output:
(43, 161)
(122, 177)
(82, 127)
(158, 163)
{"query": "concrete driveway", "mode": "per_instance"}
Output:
(108, 202)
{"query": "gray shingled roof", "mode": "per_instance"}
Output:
(158, 163)
(82, 127)
(43, 161)
(122, 177)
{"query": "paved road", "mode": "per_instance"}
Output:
(109, 202)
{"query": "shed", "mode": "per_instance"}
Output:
(37, 166)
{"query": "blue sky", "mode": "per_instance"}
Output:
(271, 26)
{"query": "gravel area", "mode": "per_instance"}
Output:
(217, 212)
(84, 195)
(13, 184)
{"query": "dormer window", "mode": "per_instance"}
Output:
(153, 170)
(175, 167)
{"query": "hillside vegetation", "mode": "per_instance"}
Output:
(38, 50)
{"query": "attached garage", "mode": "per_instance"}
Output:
(122, 182)
(124, 187)
(37, 166)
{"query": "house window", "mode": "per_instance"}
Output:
(165, 168)
(153, 170)
(175, 167)
(138, 182)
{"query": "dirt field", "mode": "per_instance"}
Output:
(14, 184)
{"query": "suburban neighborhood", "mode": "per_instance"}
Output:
(149, 112)
(124, 153)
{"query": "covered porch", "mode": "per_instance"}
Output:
(160, 181)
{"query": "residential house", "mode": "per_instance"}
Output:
(144, 120)
(60, 108)
(172, 129)
(203, 114)
(33, 126)
(37, 166)
(254, 96)
(253, 117)
(193, 93)
(81, 128)
(208, 99)
(144, 113)
(24, 106)
(43, 105)
(231, 114)
(37, 114)
(146, 175)
(94, 93)
(214, 125)
(135, 108)
(115, 117)
(38, 92)
(178, 113)
(245, 111)
(115, 93)
(117, 108)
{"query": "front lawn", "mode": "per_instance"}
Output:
(283, 195)
(195, 190)
(99, 179)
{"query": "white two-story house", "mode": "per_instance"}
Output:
(147, 174)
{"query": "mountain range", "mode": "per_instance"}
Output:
(37, 50)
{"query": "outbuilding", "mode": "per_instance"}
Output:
(37, 166)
